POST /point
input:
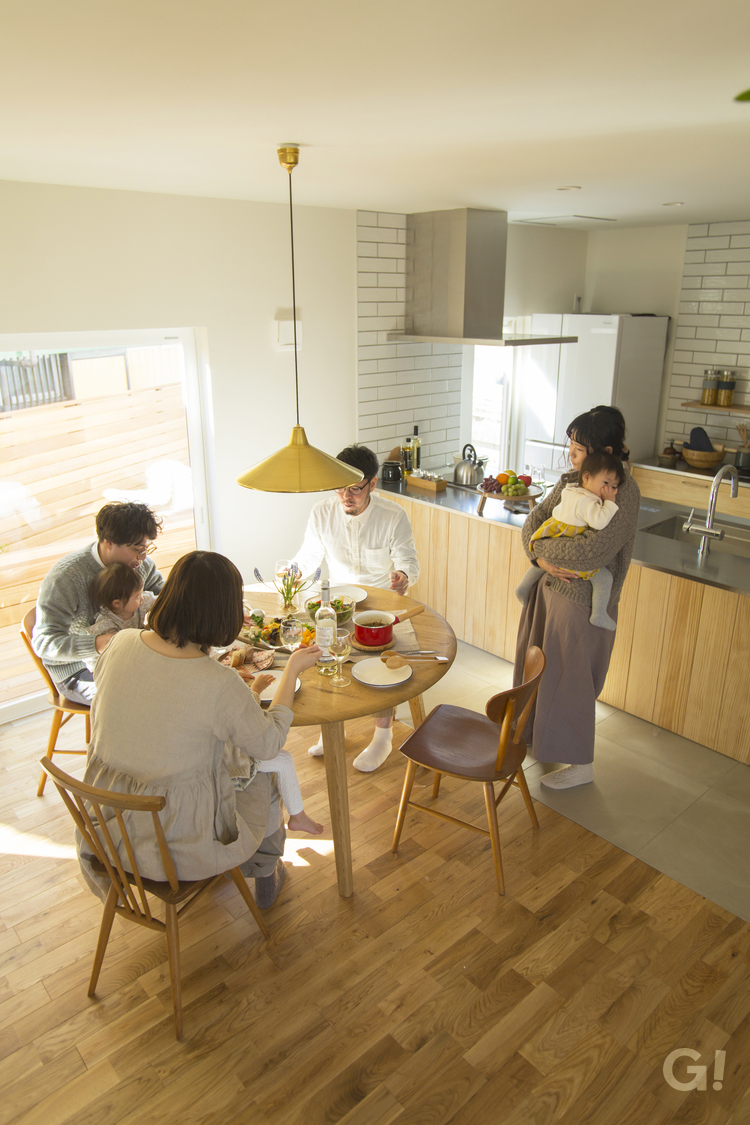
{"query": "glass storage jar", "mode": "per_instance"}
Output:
(725, 392)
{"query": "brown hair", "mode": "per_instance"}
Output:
(123, 523)
(601, 462)
(115, 583)
(598, 428)
(200, 603)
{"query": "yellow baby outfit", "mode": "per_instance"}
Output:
(555, 529)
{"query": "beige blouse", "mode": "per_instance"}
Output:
(175, 728)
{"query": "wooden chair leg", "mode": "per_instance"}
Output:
(411, 769)
(524, 787)
(436, 784)
(104, 931)
(87, 717)
(57, 718)
(241, 884)
(173, 955)
(489, 800)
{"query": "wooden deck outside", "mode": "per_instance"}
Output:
(57, 462)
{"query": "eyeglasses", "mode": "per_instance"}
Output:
(140, 550)
(355, 489)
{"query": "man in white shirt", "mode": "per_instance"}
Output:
(365, 539)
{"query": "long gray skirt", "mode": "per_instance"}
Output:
(561, 727)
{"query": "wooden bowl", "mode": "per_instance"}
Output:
(700, 460)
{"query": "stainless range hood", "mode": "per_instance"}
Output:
(455, 280)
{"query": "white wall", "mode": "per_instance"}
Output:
(713, 329)
(86, 259)
(545, 269)
(638, 270)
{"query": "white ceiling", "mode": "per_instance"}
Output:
(400, 105)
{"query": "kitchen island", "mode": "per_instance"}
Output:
(682, 649)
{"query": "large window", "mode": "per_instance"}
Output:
(82, 421)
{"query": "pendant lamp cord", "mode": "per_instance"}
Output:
(294, 295)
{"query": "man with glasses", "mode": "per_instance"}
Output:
(64, 611)
(366, 540)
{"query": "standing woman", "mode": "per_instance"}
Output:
(557, 615)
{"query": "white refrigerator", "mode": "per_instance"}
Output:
(617, 361)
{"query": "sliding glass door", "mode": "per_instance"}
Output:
(86, 418)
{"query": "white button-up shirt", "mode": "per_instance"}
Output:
(364, 548)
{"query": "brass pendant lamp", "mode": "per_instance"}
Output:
(299, 466)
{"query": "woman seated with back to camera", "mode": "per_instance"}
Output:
(167, 720)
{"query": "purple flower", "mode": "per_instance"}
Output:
(295, 569)
(317, 574)
(256, 572)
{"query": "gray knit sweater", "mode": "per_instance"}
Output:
(64, 612)
(591, 550)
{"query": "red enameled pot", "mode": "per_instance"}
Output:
(377, 636)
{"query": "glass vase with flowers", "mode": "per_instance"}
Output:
(288, 583)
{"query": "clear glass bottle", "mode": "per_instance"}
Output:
(416, 450)
(325, 631)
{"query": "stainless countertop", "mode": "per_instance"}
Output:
(728, 572)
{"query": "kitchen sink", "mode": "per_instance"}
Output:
(736, 539)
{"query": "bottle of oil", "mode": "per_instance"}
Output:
(416, 450)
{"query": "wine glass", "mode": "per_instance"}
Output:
(282, 567)
(340, 647)
(291, 632)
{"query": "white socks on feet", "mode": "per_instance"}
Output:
(570, 776)
(316, 751)
(376, 753)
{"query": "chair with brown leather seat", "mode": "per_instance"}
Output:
(98, 816)
(64, 709)
(464, 744)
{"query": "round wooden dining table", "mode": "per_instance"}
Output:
(318, 702)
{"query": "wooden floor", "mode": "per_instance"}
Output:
(424, 998)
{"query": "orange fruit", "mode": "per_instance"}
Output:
(502, 478)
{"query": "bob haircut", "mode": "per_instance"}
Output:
(601, 462)
(115, 583)
(200, 603)
(362, 458)
(126, 522)
(598, 428)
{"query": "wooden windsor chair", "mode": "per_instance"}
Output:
(463, 744)
(64, 709)
(96, 812)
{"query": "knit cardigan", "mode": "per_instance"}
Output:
(612, 547)
(64, 613)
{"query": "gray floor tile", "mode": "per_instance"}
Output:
(735, 783)
(482, 664)
(706, 848)
(670, 750)
(630, 801)
(604, 711)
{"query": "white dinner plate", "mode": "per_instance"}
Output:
(267, 695)
(354, 592)
(375, 673)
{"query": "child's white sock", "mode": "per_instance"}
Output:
(316, 751)
(376, 753)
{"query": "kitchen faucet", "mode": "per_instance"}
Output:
(706, 530)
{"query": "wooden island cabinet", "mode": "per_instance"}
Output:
(682, 650)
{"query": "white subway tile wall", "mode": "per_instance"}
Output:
(400, 385)
(713, 327)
